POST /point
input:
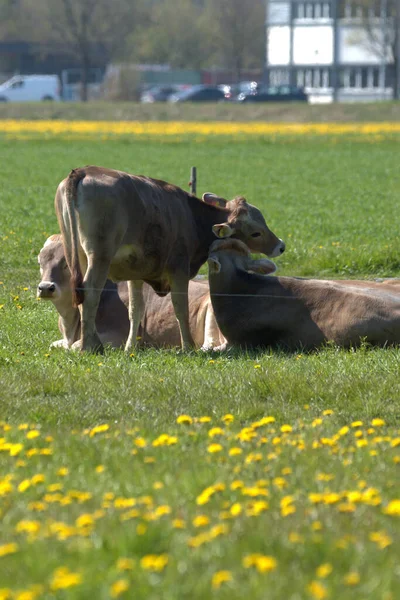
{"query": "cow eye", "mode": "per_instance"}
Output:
(256, 234)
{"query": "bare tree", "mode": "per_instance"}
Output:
(381, 25)
(241, 33)
(88, 26)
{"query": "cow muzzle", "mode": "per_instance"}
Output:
(46, 289)
(278, 250)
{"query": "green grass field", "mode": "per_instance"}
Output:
(280, 479)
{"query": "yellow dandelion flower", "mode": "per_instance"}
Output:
(286, 428)
(317, 590)
(204, 419)
(235, 451)
(178, 524)
(11, 548)
(393, 508)
(184, 420)
(228, 418)
(216, 431)
(119, 587)
(219, 578)
(324, 570)
(378, 423)
(154, 562)
(352, 578)
(263, 563)
(213, 448)
(125, 564)
(201, 521)
(63, 578)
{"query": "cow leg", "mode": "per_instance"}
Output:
(211, 331)
(179, 297)
(136, 312)
(94, 281)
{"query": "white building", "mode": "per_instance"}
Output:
(324, 46)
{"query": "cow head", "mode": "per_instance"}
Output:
(54, 271)
(246, 223)
(232, 253)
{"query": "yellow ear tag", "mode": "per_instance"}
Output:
(221, 233)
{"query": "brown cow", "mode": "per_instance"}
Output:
(254, 309)
(159, 326)
(139, 229)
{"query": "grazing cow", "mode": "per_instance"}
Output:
(254, 309)
(159, 326)
(138, 229)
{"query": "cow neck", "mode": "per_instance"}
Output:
(206, 216)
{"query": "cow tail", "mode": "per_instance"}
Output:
(72, 253)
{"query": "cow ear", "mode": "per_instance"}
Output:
(262, 266)
(223, 230)
(213, 200)
(214, 266)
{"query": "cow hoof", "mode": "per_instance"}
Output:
(222, 348)
(76, 346)
(207, 348)
(60, 344)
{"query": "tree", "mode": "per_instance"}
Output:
(381, 25)
(173, 32)
(241, 33)
(88, 26)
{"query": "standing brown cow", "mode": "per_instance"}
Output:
(138, 229)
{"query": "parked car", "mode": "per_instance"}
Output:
(30, 88)
(199, 93)
(232, 90)
(279, 93)
(159, 93)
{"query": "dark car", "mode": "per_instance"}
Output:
(278, 93)
(159, 93)
(199, 93)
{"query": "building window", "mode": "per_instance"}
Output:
(326, 10)
(309, 11)
(279, 77)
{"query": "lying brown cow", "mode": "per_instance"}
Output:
(159, 326)
(138, 229)
(254, 309)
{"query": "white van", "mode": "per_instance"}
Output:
(30, 88)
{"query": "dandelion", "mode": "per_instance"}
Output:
(184, 420)
(228, 418)
(119, 587)
(317, 590)
(263, 564)
(213, 448)
(216, 431)
(219, 578)
(99, 429)
(378, 423)
(352, 578)
(393, 508)
(11, 548)
(63, 578)
(201, 521)
(154, 562)
(286, 428)
(125, 564)
(324, 570)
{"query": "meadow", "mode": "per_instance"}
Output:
(164, 475)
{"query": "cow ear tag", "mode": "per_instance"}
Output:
(213, 200)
